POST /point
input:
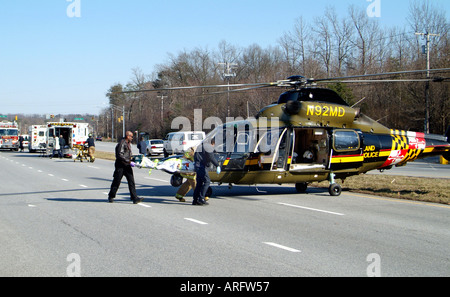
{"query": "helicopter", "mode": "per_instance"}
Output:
(310, 134)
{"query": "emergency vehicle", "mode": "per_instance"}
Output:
(38, 139)
(9, 135)
(73, 133)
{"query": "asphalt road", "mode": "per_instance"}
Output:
(55, 221)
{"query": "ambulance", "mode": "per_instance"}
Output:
(9, 135)
(73, 133)
(38, 138)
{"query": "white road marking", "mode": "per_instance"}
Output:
(31, 205)
(282, 247)
(161, 180)
(313, 209)
(83, 186)
(50, 174)
(144, 205)
(63, 179)
(196, 221)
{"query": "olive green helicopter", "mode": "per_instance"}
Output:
(311, 135)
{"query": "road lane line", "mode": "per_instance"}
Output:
(313, 209)
(161, 180)
(196, 221)
(50, 174)
(83, 186)
(282, 247)
(63, 179)
(144, 205)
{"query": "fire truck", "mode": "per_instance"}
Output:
(73, 133)
(9, 135)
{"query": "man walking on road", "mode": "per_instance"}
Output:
(123, 166)
(203, 158)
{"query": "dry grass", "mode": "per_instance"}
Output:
(434, 190)
(105, 155)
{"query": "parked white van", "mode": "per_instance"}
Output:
(179, 142)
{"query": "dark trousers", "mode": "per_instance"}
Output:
(203, 183)
(119, 172)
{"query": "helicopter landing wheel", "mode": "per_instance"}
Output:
(335, 190)
(301, 187)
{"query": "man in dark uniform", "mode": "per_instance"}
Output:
(123, 166)
(91, 147)
(203, 158)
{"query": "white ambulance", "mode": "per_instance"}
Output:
(73, 133)
(38, 138)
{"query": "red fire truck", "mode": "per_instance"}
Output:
(9, 135)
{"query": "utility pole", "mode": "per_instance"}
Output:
(161, 95)
(118, 108)
(227, 75)
(427, 86)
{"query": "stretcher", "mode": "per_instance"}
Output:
(81, 152)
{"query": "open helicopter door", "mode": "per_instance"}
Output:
(282, 156)
(310, 152)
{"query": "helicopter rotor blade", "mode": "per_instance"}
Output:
(237, 90)
(380, 80)
(379, 74)
(195, 87)
(299, 81)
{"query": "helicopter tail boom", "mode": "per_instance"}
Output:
(408, 146)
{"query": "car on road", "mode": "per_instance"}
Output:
(179, 142)
(155, 147)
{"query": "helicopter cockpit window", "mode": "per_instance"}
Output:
(346, 141)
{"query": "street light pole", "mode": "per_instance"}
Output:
(427, 86)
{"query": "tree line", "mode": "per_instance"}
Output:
(330, 46)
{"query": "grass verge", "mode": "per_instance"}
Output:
(436, 190)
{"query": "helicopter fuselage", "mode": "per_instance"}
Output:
(316, 141)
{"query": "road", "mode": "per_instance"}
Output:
(54, 214)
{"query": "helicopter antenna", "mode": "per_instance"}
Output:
(358, 102)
